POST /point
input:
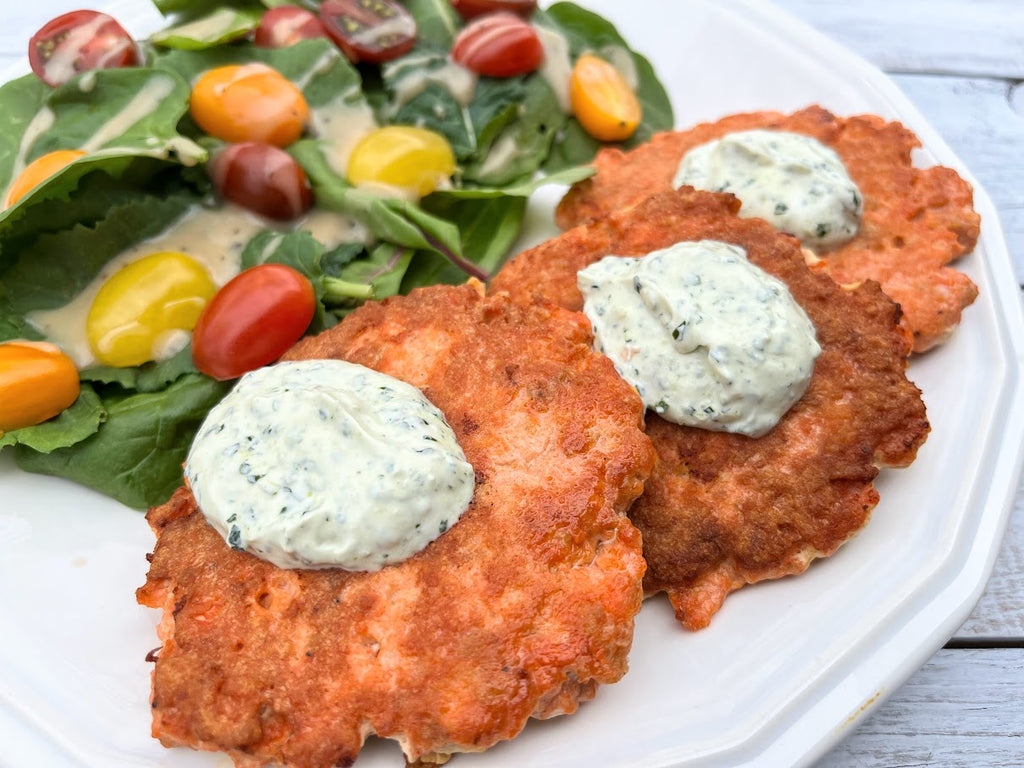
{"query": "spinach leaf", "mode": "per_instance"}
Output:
(73, 425)
(56, 267)
(585, 30)
(437, 23)
(136, 457)
(221, 25)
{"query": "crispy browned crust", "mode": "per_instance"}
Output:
(723, 510)
(521, 609)
(916, 220)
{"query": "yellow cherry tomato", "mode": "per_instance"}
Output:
(249, 102)
(38, 171)
(602, 100)
(143, 304)
(414, 160)
(37, 381)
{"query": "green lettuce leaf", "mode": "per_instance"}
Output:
(137, 455)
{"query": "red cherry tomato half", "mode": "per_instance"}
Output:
(77, 42)
(470, 9)
(369, 30)
(252, 321)
(286, 25)
(498, 45)
(262, 178)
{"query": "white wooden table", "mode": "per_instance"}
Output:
(962, 64)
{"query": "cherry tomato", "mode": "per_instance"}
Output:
(469, 9)
(144, 305)
(262, 178)
(37, 381)
(602, 100)
(249, 102)
(414, 160)
(77, 42)
(498, 45)
(252, 321)
(38, 171)
(286, 25)
(369, 30)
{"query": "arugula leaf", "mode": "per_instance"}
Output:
(137, 456)
(221, 25)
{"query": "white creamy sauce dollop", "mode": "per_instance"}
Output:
(324, 463)
(793, 181)
(707, 338)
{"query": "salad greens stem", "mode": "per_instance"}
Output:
(337, 290)
(461, 262)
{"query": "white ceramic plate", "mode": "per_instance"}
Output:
(786, 668)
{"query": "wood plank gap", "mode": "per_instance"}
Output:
(984, 643)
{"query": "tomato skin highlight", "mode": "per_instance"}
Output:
(286, 25)
(498, 45)
(602, 101)
(262, 178)
(142, 302)
(373, 31)
(79, 41)
(37, 382)
(412, 160)
(249, 102)
(470, 9)
(253, 320)
(38, 171)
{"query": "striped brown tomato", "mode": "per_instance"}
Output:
(263, 178)
(252, 320)
(369, 30)
(498, 45)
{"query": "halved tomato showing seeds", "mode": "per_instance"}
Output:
(79, 41)
(369, 30)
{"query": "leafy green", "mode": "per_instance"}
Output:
(219, 26)
(587, 31)
(71, 426)
(129, 430)
(136, 456)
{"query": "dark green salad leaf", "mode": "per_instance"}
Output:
(128, 433)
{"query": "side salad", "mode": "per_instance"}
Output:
(422, 126)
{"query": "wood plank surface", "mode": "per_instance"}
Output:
(944, 718)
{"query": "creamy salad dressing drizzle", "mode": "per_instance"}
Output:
(215, 237)
(793, 181)
(707, 338)
(324, 463)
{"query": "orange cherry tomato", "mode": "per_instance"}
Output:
(498, 45)
(602, 100)
(77, 42)
(249, 102)
(38, 171)
(252, 321)
(37, 381)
